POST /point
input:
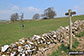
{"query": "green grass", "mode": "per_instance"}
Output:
(75, 43)
(65, 48)
(10, 33)
(80, 34)
(58, 51)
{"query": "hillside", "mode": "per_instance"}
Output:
(10, 33)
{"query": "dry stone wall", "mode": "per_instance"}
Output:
(38, 45)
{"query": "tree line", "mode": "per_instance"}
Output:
(49, 13)
(16, 17)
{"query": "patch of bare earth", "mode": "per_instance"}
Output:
(53, 47)
(81, 45)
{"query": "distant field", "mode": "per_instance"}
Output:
(10, 33)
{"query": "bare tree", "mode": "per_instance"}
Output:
(49, 12)
(14, 17)
(36, 16)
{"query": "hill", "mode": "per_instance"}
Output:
(10, 33)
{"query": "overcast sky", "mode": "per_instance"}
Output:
(30, 7)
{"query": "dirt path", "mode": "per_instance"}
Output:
(81, 45)
(53, 47)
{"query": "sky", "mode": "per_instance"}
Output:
(31, 7)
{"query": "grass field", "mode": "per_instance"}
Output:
(10, 33)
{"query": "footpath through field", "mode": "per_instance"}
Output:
(81, 45)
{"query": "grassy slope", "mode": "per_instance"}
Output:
(80, 34)
(64, 48)
(10, 33)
